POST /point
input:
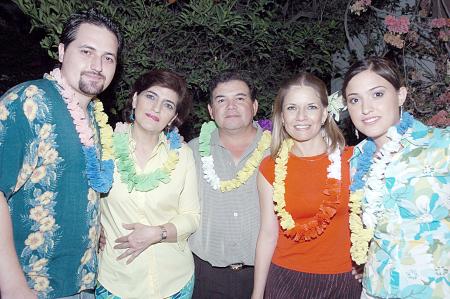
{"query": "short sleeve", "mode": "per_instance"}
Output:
(14, 135)
(267, 169)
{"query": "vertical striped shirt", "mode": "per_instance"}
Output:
(229, 223)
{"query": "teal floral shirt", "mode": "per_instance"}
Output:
(55, 214)
(409, 254)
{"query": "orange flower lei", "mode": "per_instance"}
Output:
(314, 228)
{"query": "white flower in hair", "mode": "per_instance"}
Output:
(335, 104)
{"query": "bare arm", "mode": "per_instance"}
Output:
(267, 238)
(12, 279)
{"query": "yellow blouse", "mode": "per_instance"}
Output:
(164, 268)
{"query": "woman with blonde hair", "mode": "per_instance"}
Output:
(303, 248)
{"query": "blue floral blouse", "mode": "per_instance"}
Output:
(409, 254)
(54, 212)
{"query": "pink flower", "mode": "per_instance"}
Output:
(444, 35)
(360, 6)
(438, 23)
(444, 98)
(397, 25)
(394, 40)
(441, 119)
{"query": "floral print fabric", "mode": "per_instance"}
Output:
(54, 212)
(185, 293)
(409, 254)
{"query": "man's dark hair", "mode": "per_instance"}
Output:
(93, 17)
(230, 76)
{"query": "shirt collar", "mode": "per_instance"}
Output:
(162, 143)
(215, 140)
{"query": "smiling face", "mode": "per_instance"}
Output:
(373, 104)
(155, 108)
(231, 106)
(89, 61)
(303, 114)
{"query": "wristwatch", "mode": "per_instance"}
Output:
(163, 233)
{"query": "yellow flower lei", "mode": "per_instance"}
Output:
(249, 168)
(286, 220)
(315, 227)
(360, 236)
(208, 162)
(106, 132)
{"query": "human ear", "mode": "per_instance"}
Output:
(402, 93)
(210, 109)
(134, 103)
(61, 52)
(255, 107)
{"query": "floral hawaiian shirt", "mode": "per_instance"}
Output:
(409, 254)
(55, 214)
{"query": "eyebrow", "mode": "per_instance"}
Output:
(157, 95)
(355, 93)
(290, 103)
(94, 49)
(238, 94)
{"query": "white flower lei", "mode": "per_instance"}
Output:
(333, 172)
(209, 173)
(243, 175)
(374, 188)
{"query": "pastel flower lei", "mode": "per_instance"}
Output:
(99, 172)
(327, 210)
(372, 166)
(243, 175)
(127, 167)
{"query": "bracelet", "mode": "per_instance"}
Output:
(163, 233)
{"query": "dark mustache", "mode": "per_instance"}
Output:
(93, 73)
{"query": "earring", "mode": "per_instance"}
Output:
(132, 115)
(401, 112)
(167, 129)
(356, 133)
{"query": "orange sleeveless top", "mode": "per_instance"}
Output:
(305, 182)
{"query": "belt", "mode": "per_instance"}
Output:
(237, 267)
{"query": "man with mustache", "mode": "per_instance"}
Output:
(224, 245)
(53, 166)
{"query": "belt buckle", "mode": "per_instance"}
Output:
(236, 267)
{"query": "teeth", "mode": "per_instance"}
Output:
(370, 120)
(302, 126)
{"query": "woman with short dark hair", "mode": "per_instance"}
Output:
(152, 207)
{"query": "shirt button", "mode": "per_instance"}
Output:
(235, 214)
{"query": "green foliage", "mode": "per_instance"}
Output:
(421, 51)
(270, 39)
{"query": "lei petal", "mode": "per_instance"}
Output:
(204, 139)
(243, 175)
(99, 172)
(314, 228)
(127, 168)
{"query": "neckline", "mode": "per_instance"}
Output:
(309, 158)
